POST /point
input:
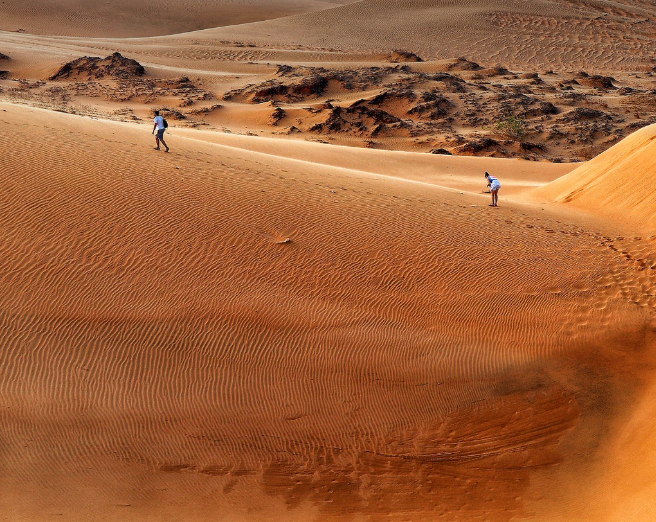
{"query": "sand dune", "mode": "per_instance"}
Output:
(603, 35)
(280, 320)
(122, 18)
(620, 183)
(567, 35)
(230, 328)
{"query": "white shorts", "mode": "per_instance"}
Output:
(495, 185)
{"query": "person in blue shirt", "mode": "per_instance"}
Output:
(159, 125)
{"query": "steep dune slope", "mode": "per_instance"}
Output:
(222, 334)
(620, 183)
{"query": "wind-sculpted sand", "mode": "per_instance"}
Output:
(620, 183)
(515, 33)
(243, 335)
(124, 19)
(307, 311)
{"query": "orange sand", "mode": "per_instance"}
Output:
(254, 328)
(165, 346)
(620, 183)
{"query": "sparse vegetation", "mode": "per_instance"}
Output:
(512, 127)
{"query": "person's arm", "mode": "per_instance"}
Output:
(154, 127)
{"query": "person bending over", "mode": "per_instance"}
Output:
(494, 185)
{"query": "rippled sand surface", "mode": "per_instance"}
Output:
(257, 328)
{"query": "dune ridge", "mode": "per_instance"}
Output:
(124, 19)
(619, 183)
(516, 34)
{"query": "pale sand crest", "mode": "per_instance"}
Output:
(620, 183)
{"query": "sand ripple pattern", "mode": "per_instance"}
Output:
(246, 319)
(563, 34)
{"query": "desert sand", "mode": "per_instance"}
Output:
(301, 313)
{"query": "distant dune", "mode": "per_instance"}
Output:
(124, 18)
(561, 33)
(564, 34)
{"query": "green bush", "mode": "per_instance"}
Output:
(512, 127)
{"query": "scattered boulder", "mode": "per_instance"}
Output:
(277, 115)
(441, 151)
(171, 114)
(4, 57)
(265, 92)
(542, 109)
(492, 71)
(462, 64)
(313, 85)
(94, 67)
(480, 145)
(530, 146)
(404, 56)
(451, 83)
(625, 91)
(598, 82)
(377, 115)
(284, 70)
(584, 113)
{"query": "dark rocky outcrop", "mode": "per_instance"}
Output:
(400, 55)
(277, 115)
(463, 64)
(93, 67)
(584, 113)
(597, 82)
(479, 145)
